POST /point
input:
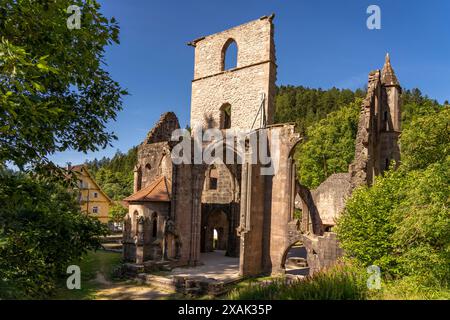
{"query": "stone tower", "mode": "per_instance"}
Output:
(221, 96)
(389, 118)
(379, 127)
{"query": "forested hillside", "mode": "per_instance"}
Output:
(306, 106)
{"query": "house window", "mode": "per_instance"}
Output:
(229, 55)
(94, 209)
(213, 178)
(95, 195)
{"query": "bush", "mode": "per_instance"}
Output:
(342, 282)
(41, 232)
(402, 222)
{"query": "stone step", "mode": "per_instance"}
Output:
(112, 239)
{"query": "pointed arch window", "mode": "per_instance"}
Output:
(225, 116)
(154, 224)
(229, 55)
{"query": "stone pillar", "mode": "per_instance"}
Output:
(196, 217)
(140, 241)
(252, 215)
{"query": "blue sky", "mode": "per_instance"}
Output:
(318, 44)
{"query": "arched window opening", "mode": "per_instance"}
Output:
(148, 167)
(215, 239)
(225, 114)
(213, 178)
(386, 122)
(229, 55)
(154, 225)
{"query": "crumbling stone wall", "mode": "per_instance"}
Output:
(224, 191)
(379, 127)
(330, 197)
(154, 158)
(162, 131)
(322, 251)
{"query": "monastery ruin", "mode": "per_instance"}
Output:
(179, 212)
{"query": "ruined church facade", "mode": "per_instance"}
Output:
(178, 212)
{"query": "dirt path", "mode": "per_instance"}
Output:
(128, 291)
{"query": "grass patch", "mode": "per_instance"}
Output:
(93, 262)
(411, 288)
(338, 283)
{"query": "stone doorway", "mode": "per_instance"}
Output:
(216, 231)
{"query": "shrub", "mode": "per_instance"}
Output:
(41, 232)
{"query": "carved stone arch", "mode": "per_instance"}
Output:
(295, 143)
(285, 251)
(304, 193)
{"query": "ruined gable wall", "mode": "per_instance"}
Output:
(162, 131)
(154, 158)
(240, 87)
(363, 166)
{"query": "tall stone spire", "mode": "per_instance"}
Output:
(388, 77)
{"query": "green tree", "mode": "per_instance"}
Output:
(329, 147)
(55, 94)
(117, 212)
(115, 175)
(41, 233)
(426, 140)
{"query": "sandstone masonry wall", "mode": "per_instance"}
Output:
(241, 87)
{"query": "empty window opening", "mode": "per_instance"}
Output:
(386, 122)
(215, 239)
(154, 225)
(229, 55)
(213, 178)
(225, 111)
